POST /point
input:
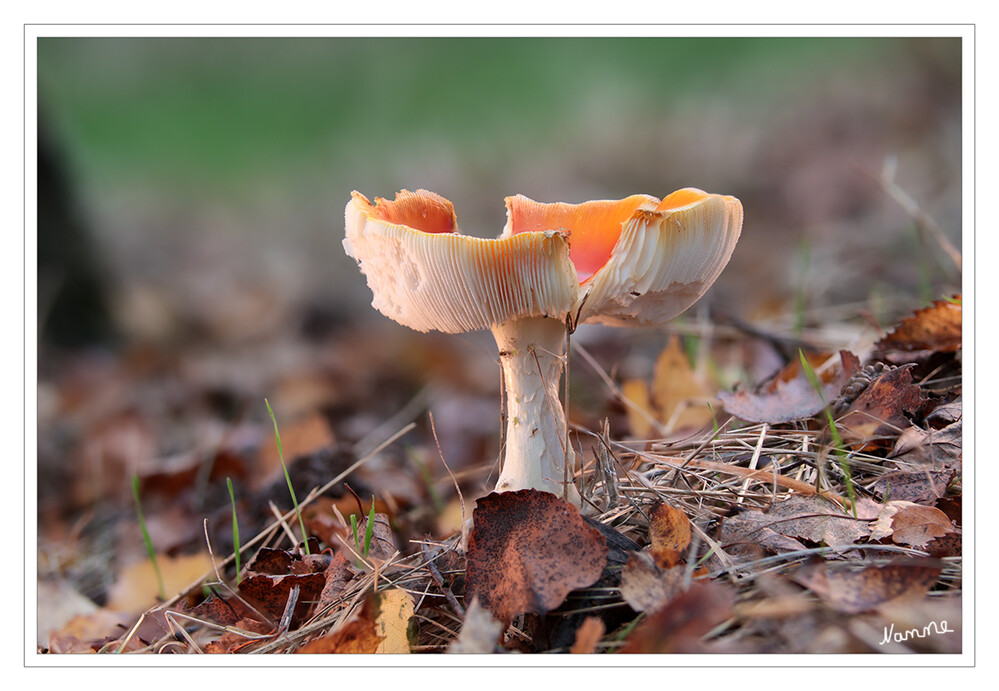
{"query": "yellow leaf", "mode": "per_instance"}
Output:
(137, 588)
(639, 405)
(674, 384)
(395, 611)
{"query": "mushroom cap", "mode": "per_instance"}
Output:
(425, 275)
(634, 261)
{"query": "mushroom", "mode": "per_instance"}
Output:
(634, 261)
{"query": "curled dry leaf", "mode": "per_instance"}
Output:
(790, 395)
(937, 327)
(528, 550)
(645, 586)
(852, 591)
(682, 623)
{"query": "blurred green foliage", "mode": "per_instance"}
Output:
(212, 111)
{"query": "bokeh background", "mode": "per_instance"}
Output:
(191, 197)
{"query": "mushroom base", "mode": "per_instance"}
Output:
(536, 454)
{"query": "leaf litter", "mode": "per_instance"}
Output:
(738, 535)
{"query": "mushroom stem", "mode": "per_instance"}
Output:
(532, 357)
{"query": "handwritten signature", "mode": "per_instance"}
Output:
(891, 635)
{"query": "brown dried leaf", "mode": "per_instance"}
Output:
(881, 408)
(917, 525)
(679, 626)
(817, 520)
(270, 594)
(645, 586)
(790, 395)
(937, 327)
(528, 550)
(392, 625)
(588, 635)
(137, 587)
(231, 641)
(917, 486)
(669, 532)
(359, 636)
(748, 535)
(934, 447)
(852, 591)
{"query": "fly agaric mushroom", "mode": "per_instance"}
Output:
(636, 261)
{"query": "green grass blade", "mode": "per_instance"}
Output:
(287, 477)
(235, 527)
(146, 538)
(838, 446)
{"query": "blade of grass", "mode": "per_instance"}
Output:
(369, 529)
(287, 477)
(235, 527)
(146, 538)
(838, 446)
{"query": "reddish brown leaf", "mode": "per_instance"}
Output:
(679, 626)
(937, 327)
(947, 546)
(852, 591)
(669, 533)
(881, 408)
(232, 641)
(358, 636)
(270, 594)
(337, 574)
(528, 550)
(790, 395)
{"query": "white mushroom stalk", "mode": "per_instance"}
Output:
(634, 261)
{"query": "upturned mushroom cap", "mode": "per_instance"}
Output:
(639, 260)
(425, 275)
(635, 261)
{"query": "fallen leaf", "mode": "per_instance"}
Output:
(232, 640)
(929, 447)
(917, 486)
(588, 635)
(817, 520)
(528, 550)
(881, 408)
(641, 413)
(937, 327)
(137, 589)
(392, 625)
(790, 395)
(917, 525)
(359, 636)
(680, 625)
(479, 632)
(669, 533)
(852, 591)
(645, 586)
(748, 535)
(677, 393)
